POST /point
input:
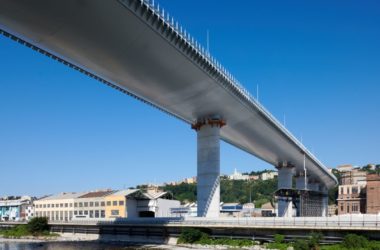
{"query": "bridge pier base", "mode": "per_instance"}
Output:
(325, 201)
(208, 167)
(285, 178)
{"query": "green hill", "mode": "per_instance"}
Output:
(230, 191)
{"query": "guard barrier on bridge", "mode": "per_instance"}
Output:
(352, 222)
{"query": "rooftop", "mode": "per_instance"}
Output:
(60, 196)
(97, 194)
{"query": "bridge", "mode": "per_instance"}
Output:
(135, 47)
(160, 230)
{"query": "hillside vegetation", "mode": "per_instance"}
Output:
(230, 191)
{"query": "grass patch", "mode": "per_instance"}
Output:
(196, 236)
(35, 227)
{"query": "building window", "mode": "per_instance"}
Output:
(114, 203)
(354, 190)
(348, 208)
(103, 204)
(86, 204)
(121, 203)
(114, 212)
(44, 205)
(71, 204)
(80, 212)
(341, 207)
(48, 205)
(61, 205)
(91, 204)
(80, 204)
(108, 203)
(91, 214)
(66, 205)
(52, 205)
(96, 204)
(86, 212)
(75, 212)
(75, 204)
(102, 213)
(96, 214)
(341, 190)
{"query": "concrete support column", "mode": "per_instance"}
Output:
(208, 167)
(325, 201)
(313, 185)
(285, 178)
(301, 181)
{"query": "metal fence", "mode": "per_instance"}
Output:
(365, 222)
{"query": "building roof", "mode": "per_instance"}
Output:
(156, 195)
(60, 196)
(267, 205)
(124, 192)
(97, 194)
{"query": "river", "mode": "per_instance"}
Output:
(74, 246)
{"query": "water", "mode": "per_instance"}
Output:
(68, 246)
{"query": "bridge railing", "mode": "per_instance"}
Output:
(181, 32)
(350, 222)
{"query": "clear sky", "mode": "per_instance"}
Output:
(317, 63)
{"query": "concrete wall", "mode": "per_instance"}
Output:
(164, 206)
(132, 208)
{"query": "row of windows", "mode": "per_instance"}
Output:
(354, 208)
(115, 203)
(354, 190)
(81, 204)
(67, 215)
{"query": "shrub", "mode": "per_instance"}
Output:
(191, 235)
(279, 238)
(314, 240)
(38, 225)
(301, 245)
(353, 241)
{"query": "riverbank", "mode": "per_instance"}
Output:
(82, 240)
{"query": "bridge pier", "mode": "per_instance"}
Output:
(285, 179)
(325, 201)
(208, 166)
(301, 181)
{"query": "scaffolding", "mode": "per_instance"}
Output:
(308, 203)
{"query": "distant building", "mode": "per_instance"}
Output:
(190, 180)
(268, 175)
(14, 208)
(332, 210)
(59, 207)
(186, 210)
(373, 194)
(238, 176)
(91, 205)
(267, 210)
(254, 177)
(231, 209)
(345, 168)
(134, 203)
(352, 192)
(355, 176)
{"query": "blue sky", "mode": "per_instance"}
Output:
(316, 62)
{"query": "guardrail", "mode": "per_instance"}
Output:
(361, 222)
(171, 24)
